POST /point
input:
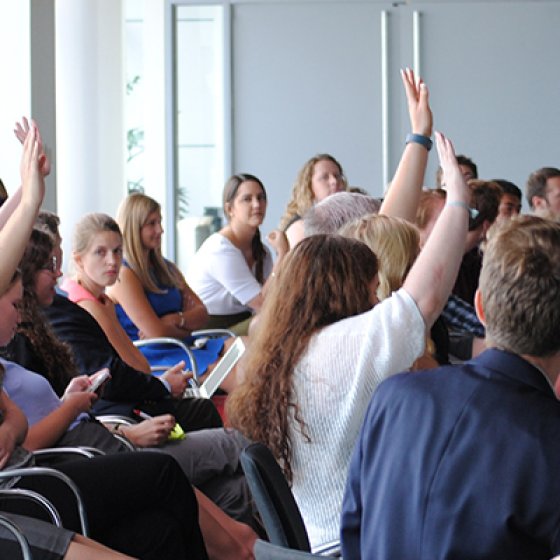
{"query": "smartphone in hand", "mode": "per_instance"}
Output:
(99, 380)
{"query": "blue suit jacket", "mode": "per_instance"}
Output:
(461, 462)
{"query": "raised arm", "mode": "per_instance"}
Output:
(431, 278)
(401, 200)
(17, 228)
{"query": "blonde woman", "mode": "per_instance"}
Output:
(320, 177)
(152, 298)
(395, 243)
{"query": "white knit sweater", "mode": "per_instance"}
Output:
(334, 382)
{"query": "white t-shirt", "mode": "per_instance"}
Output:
(221, 277)
(334, 382)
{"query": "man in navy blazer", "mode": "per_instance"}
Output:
(463, 462)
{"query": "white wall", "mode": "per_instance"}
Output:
(307, 79)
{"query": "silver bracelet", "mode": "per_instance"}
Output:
(473, 212)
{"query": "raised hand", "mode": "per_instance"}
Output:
(21, 131)
(417, 97)
(454, 180)
(32, 181)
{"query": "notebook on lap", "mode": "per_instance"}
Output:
(219, 373)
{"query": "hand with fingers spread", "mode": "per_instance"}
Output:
(21, 131)
(457, 189)
(419, 111)
(32, 181)
(150, 433)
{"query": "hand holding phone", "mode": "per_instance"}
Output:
(102, 376)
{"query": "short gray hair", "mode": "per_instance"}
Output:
(337, 210)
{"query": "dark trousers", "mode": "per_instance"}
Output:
(140, 504)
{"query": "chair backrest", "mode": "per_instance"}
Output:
(274, 499)
(18, 535)
(266, 551)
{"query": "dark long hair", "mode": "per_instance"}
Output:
(323, 280)
(55, 356)
(230, 192)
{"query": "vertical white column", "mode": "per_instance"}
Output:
(158, 114)
(16, 85)
(89, 117)
(43, 94)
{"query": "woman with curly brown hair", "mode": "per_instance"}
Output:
(323, 344)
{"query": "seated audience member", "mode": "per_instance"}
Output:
(460, 328)
(48, 542)
(402, 199)
(232, 266)
(66, 353)
(156, 521)
(510, 201)
(485, 199)
(461, 462)
(337, 210)
(468, 169)
(311, 370)
(320, 177)
(543, 193)
(97, 259)
(218, 474)
(394, 242)
(152, 297)
(164, 516)
(430, 205)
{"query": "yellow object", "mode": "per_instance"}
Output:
(176, 433)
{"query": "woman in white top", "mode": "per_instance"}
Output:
(323, 344)
(231, 267)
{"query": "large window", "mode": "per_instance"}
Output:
(200, 123)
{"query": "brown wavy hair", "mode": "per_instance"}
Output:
(302, 198)
(56, 356)
(325, 279)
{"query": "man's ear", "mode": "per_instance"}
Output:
(539, 202)
(479, 308)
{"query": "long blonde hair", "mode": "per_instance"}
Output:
(131, 217)
(395, 243)
(302, 193)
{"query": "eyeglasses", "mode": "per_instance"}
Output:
(51, 266)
